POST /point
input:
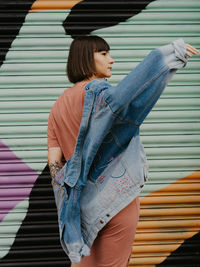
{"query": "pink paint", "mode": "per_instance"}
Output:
(16, 180)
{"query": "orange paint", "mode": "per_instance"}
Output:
(169, 199)
(149, 260)
(168, 217)
(154, 248)
(145, 226)
(44, 5)
(178, 236)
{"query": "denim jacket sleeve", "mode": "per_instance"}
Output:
(133, 98)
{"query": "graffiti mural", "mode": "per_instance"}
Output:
(35, 39)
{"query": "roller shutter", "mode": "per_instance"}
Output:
(35, 38)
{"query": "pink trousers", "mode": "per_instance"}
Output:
(113, 245)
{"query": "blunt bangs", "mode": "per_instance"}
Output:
(101, 45)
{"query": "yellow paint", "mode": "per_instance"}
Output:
(43, 5)
(169, 199)
(168, 217)
(167, 236)
(154, 248)
(146, 226)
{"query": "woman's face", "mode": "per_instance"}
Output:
(103, 63)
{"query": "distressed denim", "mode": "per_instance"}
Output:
(109, 167)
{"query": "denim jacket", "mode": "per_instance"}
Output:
(109, 168)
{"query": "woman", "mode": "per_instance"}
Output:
(96, 127)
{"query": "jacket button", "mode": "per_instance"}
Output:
(101, 221)
(87, 88)
(108, 215)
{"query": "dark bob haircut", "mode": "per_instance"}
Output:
(80, 65)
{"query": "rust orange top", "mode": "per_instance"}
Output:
(65, 118)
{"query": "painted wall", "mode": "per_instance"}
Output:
(34, 43)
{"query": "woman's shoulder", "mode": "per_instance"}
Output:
(77, 88)
(97, 84)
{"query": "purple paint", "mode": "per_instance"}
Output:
(16, 180)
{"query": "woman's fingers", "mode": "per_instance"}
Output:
(188, 54)
(191, 49)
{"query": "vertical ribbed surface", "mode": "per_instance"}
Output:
(34, 48)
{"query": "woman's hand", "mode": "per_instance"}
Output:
(191, 49)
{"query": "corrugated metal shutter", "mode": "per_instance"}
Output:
(32, 76)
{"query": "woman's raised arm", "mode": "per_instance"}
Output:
(134, 97)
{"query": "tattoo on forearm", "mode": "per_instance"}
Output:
(54, 168)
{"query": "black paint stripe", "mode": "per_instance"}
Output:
(37, 241)
(90, 15)
(187, 255)
(12, 16)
